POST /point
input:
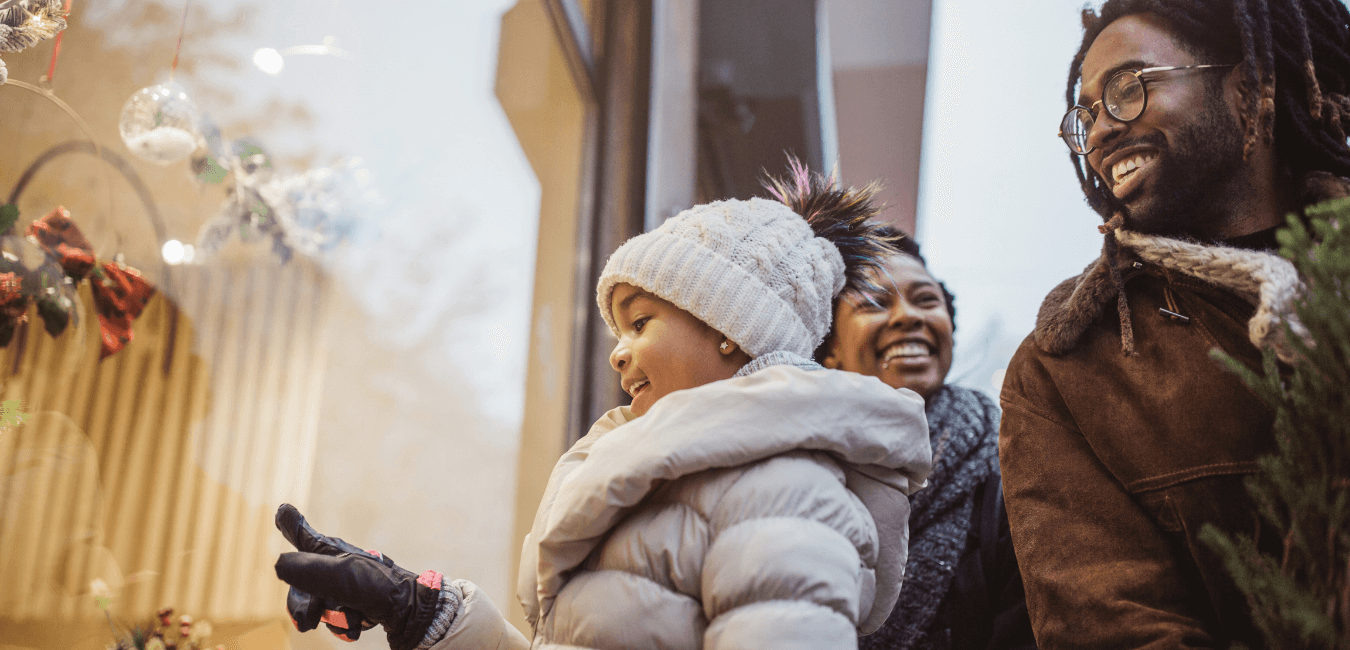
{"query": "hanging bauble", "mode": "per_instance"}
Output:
(29, 275)
(159, 124)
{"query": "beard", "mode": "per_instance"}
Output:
(1193, 182)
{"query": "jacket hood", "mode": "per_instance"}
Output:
(878, 432)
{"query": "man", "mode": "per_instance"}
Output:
(1197, 124)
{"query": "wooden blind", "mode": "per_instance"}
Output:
(158, 469)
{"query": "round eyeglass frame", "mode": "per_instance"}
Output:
(1078, 121)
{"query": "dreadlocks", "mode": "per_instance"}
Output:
(1295, 75)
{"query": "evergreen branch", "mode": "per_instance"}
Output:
(1300, 597)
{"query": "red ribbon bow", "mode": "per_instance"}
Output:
(13, 304)
(120, 293)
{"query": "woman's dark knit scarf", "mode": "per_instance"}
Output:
(963, 428)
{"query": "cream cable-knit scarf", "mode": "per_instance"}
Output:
(1264, 279)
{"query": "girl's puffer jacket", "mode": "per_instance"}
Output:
(765, 511)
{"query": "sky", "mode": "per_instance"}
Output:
(1000, 216)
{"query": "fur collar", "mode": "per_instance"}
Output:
(1075, 305)
(1267, 281)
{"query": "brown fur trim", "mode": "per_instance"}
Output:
(1074, 305)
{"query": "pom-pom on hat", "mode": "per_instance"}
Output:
(753, 270)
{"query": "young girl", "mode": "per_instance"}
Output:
(748, 497)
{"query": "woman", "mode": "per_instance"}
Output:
(962, 588)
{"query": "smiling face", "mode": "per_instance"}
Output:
(1178, 167)
(663, 348)
(902, 336)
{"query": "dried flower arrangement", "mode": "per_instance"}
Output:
(156, 633)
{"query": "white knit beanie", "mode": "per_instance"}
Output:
(753, 270)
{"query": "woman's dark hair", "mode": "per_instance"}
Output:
(904, 245)
(846, 217)
(842, 215)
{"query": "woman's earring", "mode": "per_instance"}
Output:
(724, 346)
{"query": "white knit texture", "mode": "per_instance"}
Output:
(753, 270)
(1264, 279)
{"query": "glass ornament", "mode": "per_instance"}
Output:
(42, 281)
(159, 124)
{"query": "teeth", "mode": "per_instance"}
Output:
(632, 390)
(1125, 167)
(906, 349)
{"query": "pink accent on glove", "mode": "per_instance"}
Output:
(335, 618)
(377, 554)
(431, 579)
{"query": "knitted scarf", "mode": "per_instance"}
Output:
(963, 429)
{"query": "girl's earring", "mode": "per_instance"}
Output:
(724, 346)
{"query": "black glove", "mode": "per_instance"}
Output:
(351, 589)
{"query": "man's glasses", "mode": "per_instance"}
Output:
(1124, 98)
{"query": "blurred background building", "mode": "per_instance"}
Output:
(410, 388)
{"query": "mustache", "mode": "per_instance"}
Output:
(1107, 203)
(1155, 140)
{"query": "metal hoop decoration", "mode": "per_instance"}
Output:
(91, 146)
(84, 126)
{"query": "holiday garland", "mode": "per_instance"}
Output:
(1301, 599)
(310, 213)
(23, 23)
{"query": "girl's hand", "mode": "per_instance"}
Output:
(352, 589)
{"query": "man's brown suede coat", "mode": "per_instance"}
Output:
(1112, 464)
